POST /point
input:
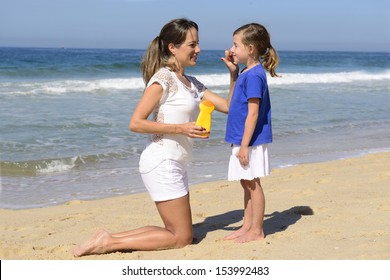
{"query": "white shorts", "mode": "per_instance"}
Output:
(167, 181)
(258, 164)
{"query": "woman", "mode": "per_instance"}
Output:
(172, 98)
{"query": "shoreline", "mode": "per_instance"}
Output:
(200, 172)
(327, 210)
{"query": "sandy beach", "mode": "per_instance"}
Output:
(332, 210)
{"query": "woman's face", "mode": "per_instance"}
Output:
(188, 51)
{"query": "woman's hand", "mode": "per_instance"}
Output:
(230, 63)
(192, 130)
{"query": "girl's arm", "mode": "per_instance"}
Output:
(139, 121)
(250, 125)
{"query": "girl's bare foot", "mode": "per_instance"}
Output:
(250, 236)
(236, 234)
(95, 245)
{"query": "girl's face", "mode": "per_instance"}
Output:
(239, 51)
(188, 51)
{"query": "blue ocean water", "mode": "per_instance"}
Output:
(65, 112)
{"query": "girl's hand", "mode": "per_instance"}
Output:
(192, 130)
(229, 62)
(243, 155)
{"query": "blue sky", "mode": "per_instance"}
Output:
(341, 25)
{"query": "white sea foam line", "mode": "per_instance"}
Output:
(328, 78)
(65, 86)
(58, 166)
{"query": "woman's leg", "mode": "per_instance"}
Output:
(176, 215)
(257, 199)
(135, 231)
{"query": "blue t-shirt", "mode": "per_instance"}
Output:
(250, 84)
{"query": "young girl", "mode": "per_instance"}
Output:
(172, 98)
(248, 126)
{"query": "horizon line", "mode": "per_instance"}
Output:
(211, 49)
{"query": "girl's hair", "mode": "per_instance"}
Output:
(257, 35)
(157, 54)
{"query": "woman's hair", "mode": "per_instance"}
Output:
(257, 35)
(157, 54)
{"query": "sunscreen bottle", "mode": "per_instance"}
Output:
(204, 119)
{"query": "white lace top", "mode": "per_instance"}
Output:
(178, 104)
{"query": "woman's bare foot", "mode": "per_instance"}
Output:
(250, 236)
(95, 245)
(236, 234)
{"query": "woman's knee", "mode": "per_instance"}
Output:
(183, 240)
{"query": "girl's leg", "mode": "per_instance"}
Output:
(255, 232)
(247, 212)
(176, 215)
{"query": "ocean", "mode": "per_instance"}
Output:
(65, 113)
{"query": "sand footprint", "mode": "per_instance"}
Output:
(385, 207)
(59, 249)
(305, 193)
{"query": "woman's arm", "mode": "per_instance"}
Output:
(139, 121)
(221, 104)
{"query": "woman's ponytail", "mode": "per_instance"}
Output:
(152, 60)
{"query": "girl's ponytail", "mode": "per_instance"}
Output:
(270, 60)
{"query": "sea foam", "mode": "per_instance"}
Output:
(210, 80)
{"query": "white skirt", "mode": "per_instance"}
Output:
(167, 181)
(258, 166)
